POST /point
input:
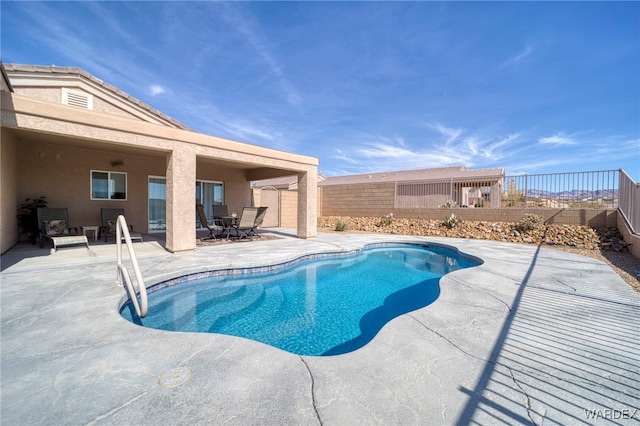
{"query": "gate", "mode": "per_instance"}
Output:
(270, 197)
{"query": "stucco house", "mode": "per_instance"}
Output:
(86, 145)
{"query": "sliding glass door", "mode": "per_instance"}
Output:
(208, 193)
(157, 204)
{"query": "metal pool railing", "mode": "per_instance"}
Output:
(122, 231)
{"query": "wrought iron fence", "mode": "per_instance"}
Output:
(454, 193)
(604, 189)
(585, 190)
(630, 201)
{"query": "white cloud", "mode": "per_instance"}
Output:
(517, 58)
(557, 139)
(156, 90)
(376, 153)
(380, 153)
(246, 131)
(488, 151)
(244, 27)
(451, 134)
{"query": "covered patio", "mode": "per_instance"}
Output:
(60, 151)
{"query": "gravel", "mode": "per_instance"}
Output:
(578, 239)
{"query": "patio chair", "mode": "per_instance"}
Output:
(262, 212)
(109, 219)
(216, 226)
(222, 217)
(247, 222)
(53, 224)
(220, 210)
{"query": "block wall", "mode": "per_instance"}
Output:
(367, 200)
(377, 200)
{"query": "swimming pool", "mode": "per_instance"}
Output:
(324, 304)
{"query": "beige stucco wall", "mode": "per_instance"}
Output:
(255, 197)
(62, 174)
(54, 95)
(9, 198)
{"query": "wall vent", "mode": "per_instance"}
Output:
(77, 98)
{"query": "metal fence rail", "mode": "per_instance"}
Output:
(434, 194)
(585, 190)
(630, 201)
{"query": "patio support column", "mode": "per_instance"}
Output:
(308, 204)
(181, 196)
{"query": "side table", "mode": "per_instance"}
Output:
(91, 228)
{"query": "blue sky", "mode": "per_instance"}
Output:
(534, 87)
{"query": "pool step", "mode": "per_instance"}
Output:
(219, 314)
(436, 264)
(209, 306)
(253, 323)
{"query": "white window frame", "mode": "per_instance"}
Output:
(149, 177)
(215, 182)
(109, 173)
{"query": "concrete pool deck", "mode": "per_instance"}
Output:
(532, 336)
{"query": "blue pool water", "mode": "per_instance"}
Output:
(323, 306)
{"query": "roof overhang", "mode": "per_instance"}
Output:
(43, 121)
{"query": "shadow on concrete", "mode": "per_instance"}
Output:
(565, 352)
(21, 251)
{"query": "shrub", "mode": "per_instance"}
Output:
(28, 216)
(340, 225)
(530, 222)
(449, 205)
(387, 220)
(451, 221)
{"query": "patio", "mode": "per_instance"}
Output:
(533, 335)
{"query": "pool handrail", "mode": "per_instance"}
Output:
(122, 231)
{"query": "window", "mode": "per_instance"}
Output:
(108, 185)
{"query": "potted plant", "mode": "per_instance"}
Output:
(28, 216)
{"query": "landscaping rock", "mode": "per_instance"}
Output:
(578, 236)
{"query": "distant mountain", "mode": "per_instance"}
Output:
(576, 194)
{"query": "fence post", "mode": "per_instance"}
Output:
(451, 189)
(524, 197)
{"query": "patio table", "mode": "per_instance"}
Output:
(228, 223)
(91, 228)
